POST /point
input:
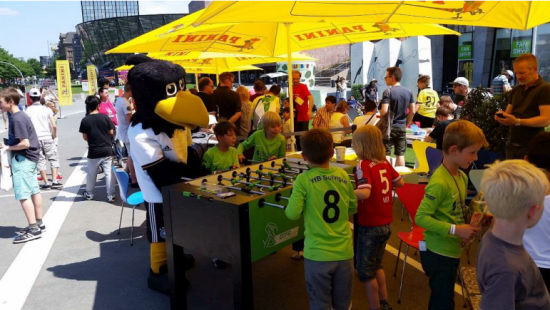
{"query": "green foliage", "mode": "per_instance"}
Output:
(36, 67)
(480, 109)
(356, 91)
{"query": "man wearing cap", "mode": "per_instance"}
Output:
(371, 91)
(46, 131)
(529, 109)
(501, 83)
(461, 88)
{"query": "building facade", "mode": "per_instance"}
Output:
(94, 10)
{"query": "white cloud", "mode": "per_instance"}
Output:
(163, 7)
(8, 11)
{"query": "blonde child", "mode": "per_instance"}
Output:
(268, 143)
(443, 212)
(375, 178)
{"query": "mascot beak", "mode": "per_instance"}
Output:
(183, 109)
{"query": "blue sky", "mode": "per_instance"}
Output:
(27, 26)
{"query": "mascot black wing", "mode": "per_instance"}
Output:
(164, 107)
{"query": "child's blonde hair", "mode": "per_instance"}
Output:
(511, 187)
(243, 94)
(463, 134)
(367, 143)
(271, 119)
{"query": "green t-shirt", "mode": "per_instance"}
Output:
(264, 148)
(216, 160)
(440, 208)
(326, 198)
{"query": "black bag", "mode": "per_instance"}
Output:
(386, 120)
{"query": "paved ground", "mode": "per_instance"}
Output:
(82, 263)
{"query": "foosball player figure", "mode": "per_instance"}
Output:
(268, 143)
(444, 214)
(325, 195)
(160, 134)
(222, 157)
(375, 178)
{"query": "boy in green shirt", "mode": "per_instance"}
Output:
(443, 212)
(222, 157)
(326, 197)
(268, 143)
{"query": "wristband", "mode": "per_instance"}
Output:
(453, 228)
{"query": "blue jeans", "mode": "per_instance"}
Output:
(25, 183)
(371, 245)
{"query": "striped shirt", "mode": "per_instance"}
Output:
(322, 118)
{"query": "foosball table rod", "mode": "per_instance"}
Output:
(246, 176)
(262, 203)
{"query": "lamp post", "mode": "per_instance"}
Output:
(7, 63)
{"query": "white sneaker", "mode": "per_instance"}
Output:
(111, 198)
(87, 195)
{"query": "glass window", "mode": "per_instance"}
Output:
(509, 44)
(465, 56)
(543, 50)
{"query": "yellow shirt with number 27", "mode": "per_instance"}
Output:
(428, 99)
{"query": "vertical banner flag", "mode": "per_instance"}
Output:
(92, 79)
(64, 91)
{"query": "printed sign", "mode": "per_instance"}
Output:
(520, 47)
(64, 90)
(464, 52)
(92, 79)
(273, 238)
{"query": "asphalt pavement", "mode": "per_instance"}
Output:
(83, 263)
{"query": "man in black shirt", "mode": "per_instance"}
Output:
(227, 101)
(529, 109)
(97, 129)
(24, 148)
(206, 89)
(397, 99)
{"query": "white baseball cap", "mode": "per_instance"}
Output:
(510, 73)
(34, 92)
(461, 81)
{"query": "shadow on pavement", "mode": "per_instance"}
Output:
(8, 232)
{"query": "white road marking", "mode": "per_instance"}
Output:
(19, 279)
(73, 113)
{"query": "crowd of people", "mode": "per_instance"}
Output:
(516, 191)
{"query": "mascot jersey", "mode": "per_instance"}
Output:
(149, 149)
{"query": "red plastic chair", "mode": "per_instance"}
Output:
(410, 195)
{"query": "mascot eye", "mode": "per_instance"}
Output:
(182, 86)
(171, 89)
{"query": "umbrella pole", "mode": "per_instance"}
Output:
(290, 95)
(239, 74)
(197, 81)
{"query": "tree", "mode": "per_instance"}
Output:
(35, 65)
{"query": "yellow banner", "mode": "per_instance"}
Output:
(92, 79)
(64, 90)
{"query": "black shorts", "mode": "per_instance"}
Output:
(155, 222)
(425, 122)
(398, 138)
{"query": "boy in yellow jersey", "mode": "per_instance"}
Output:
(426, 103)
(326, 197)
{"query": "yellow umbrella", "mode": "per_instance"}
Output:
(123, 68)
(269, 39)
(216, 70)
(500, 14)
(223, 60)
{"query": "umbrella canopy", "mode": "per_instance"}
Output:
(207, 69)
(222, 60)
(269, 39)
(500, 14)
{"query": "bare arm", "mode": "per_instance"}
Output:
(85, 137)
(311, 103)
(411, 113)
(235, 117)
(111, 132)
(54, 127)
(345, 121)
(542, 120)
(384, 109)
(22, 145)
(428, 139)
(362, 193)
(128, 117)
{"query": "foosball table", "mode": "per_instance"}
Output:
(236, 216)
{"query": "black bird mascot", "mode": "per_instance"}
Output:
(160, 135)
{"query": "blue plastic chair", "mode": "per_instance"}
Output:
(134, 200)
(435, 157)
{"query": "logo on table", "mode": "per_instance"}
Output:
(273, 238)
